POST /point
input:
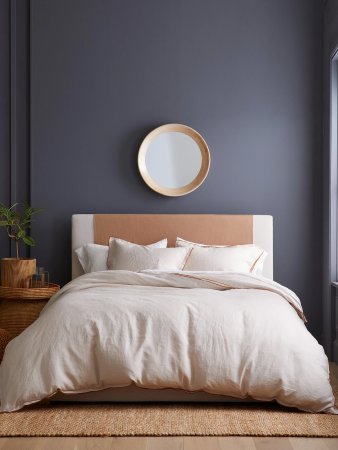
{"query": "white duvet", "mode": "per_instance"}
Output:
(224, 333)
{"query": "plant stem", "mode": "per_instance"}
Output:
(17, 249)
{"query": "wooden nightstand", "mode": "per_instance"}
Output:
(19, 307)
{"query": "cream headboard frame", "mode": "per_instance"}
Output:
(261, 231)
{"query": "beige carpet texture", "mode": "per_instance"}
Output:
(76, 419)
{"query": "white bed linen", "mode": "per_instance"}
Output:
(224, 333)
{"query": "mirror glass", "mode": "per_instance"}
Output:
(174, 159)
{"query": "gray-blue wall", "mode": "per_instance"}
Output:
(245, 73)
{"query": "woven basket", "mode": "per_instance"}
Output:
(5, 337)
(16, 315)
(28, 293)
(19, 307)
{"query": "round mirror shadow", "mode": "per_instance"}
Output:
(174, 160)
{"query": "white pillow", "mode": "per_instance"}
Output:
(233, 258)
(124, 255)
(93, 257)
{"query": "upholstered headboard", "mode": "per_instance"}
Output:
(221, 229)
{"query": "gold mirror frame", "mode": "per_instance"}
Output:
(200, 177)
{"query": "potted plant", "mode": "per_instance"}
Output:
(17, 272)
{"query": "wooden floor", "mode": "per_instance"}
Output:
(171, 443)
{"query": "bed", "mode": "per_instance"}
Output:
(144, 228)
(169, 335)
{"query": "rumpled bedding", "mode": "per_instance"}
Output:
(233, 334)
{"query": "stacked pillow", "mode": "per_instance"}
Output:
(186, 255)
(94, 257)
(231, 258)
(124, 255)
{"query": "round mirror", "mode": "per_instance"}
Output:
(174, 160)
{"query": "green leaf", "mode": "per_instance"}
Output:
(18, 220)
(21, 234)
(28, 240)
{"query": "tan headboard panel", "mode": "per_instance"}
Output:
(222, 229)
(148, 228)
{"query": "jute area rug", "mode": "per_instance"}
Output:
(61, 419)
